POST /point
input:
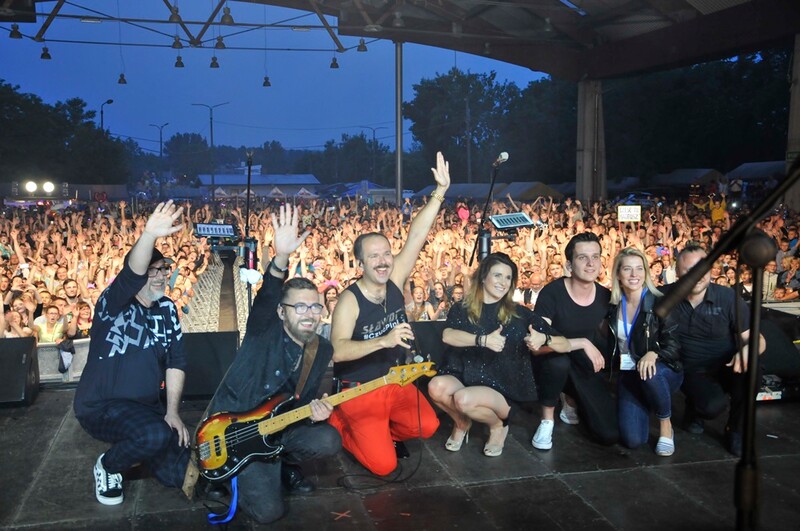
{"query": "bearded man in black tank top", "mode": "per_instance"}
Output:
(370, 333)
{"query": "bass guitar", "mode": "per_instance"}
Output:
(226, 442)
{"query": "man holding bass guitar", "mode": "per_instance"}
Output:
(281, 354)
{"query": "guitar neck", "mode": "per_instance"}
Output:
(279, 422)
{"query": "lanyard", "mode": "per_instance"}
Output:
(635, 315)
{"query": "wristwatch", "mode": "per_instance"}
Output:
(547, 340)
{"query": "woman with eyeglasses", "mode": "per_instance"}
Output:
(646, 352)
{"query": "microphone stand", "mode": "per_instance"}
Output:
(484, 239)
(755, 249)
(249, 243)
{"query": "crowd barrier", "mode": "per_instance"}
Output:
(49, 356)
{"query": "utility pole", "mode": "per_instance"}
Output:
(374, 146)
(468, 137)
(211, 134)
(160, 156)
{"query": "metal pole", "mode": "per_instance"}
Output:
(102, 114)
(160, 157)
(398, 110)
(211, 135)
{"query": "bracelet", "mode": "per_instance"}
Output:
(276, 268)
(437, 195)
(477, 340)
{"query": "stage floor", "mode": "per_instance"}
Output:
(47, 482)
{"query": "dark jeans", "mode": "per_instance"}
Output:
(636, 397)
(260, 495)
(555, 373)
(139, 435)
(706, 389)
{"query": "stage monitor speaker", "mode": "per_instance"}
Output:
(210, 354)
(19, 370)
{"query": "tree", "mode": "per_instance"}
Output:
(188, 155)
(461, 115)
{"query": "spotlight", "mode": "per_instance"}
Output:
(266, 82)
(179, 62)
(226, 19)
(220, 45)
(214, 63)
(122, 80)
(30, 187)
(398, 21)
(362, 46)
(334, 63)
(48, 187)
(15, 33)
(45, 54)
(174, 16)
(177, 44)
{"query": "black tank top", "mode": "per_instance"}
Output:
(374, 321)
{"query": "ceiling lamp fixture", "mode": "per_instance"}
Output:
(487, 48)
(334, 63)
(122, 80)
(373, 28)
(177, 44)
(45, 54)
(266, 82)
(548, 25)
(179, 62)
(398, 21)
(174, 16)
(15, 33)
(214, 62)
(226, 19)
(220, 45)
(362, 46)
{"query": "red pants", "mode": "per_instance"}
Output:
(369, 424)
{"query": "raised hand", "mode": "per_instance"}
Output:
(442, 171)
(286, 239)
(495, 341)
(162, 221)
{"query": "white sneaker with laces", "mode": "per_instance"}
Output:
(569, 414)
(107, 487)
(543, 438)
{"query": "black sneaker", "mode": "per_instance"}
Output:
(294, 481)
(107, 487)
(400, 450)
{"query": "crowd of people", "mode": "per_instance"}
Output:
(537, 319)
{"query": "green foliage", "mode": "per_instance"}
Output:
(58, 142)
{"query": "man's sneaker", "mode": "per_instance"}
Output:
(107, 487)
(569, 414)
(543, 438)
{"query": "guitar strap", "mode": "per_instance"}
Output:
(309, 355)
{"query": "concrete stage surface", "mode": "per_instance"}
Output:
(47, 483)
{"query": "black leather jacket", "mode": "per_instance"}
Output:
(649, 333)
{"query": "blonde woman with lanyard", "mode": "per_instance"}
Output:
(648, 349)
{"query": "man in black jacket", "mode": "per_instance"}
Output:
(281, 355)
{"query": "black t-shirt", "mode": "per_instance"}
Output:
(572, 319)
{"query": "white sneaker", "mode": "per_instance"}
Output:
(107, 487)
(543, 438)
(569, 414)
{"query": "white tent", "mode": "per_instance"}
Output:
(219, 192)
(302, 192)
(276, 192)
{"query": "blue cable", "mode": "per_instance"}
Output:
(216, 519)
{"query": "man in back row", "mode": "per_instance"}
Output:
(370, 333)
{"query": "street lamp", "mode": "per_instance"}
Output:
(102, 121)
(374, 146)
(160, 155)
(211, 134)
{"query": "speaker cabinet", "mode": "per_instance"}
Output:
(19, 370)
(210, 354)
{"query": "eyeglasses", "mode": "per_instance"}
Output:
(153, 271)
(301, 308)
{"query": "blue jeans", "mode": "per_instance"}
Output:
(636, 397)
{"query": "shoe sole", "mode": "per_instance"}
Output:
(566, 420)
(540, 446)
(109, 501)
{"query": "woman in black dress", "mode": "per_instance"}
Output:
(489, 363)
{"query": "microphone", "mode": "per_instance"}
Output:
(500, 159)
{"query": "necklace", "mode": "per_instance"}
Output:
(376, 299)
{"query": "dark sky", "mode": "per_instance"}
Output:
(307, 104)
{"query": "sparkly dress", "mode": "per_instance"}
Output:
(508, 372)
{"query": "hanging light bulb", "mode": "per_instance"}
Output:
(179, 62)
(122, 80)
(266, 82)
(15, 33)
(226, 19)
(214, 63)
(334, 63)
(174, 16)
(220, 45)
(45, 54)
(362, 46)
(177, 44)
